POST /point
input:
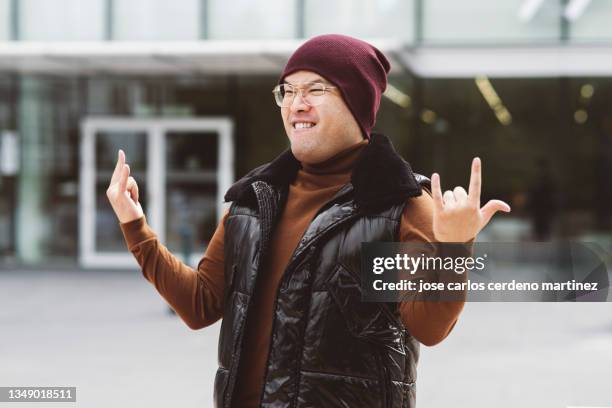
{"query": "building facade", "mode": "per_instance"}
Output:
(184, 88)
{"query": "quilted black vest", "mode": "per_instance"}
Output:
(328, 349)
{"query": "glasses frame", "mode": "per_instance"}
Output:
(300, 91)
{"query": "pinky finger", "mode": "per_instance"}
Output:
(436, 192)
(132, 187)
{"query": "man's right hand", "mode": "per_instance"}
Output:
(122, 192)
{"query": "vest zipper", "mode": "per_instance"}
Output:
(301, 348)
(311, 252)
(287, 273)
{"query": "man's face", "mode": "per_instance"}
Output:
(334, 130)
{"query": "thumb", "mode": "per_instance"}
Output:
(491, 208)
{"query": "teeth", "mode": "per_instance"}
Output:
(302, 125)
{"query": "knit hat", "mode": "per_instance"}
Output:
(357, 68)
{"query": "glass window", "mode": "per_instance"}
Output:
(497, 21)
(594, 23)
(361, 18)
(46, 188)
(191, 190)
(61, 20)
(560, 129)
(149, 20)
(251, 19)
(5, 20)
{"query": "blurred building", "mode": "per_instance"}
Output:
(184, 87)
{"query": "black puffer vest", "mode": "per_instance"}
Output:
(328, 349)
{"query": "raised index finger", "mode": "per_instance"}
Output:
(118, 167)
(475, 181)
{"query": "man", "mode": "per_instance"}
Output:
(282, 267)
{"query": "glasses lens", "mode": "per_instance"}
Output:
(315, 94)
(288, 93)
(278, 96)
(284, 94)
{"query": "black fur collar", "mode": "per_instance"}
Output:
(380, 176)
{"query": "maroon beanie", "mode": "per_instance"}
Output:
(357, 68)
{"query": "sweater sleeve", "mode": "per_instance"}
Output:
(428, 321)
(195, 295)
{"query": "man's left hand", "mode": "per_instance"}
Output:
(457, 216)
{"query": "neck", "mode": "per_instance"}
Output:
(340, 162)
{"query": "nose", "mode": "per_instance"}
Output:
(301, 105)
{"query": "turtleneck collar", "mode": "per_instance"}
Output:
(330, 174)
(340, 163)
(380, 176)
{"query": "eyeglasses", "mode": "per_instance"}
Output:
(313, 95)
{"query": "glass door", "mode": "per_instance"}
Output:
(198, 169)
(182, 167)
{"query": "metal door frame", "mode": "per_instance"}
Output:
(155, 128)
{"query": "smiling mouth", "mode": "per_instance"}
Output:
(303, 126)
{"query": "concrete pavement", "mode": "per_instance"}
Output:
(110, 335)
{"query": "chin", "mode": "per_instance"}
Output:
(301, 153)
(304, 151)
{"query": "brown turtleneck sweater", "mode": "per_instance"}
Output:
(197, 296)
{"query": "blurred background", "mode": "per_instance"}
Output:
(184, 87)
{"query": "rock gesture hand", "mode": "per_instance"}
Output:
(457, 215)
